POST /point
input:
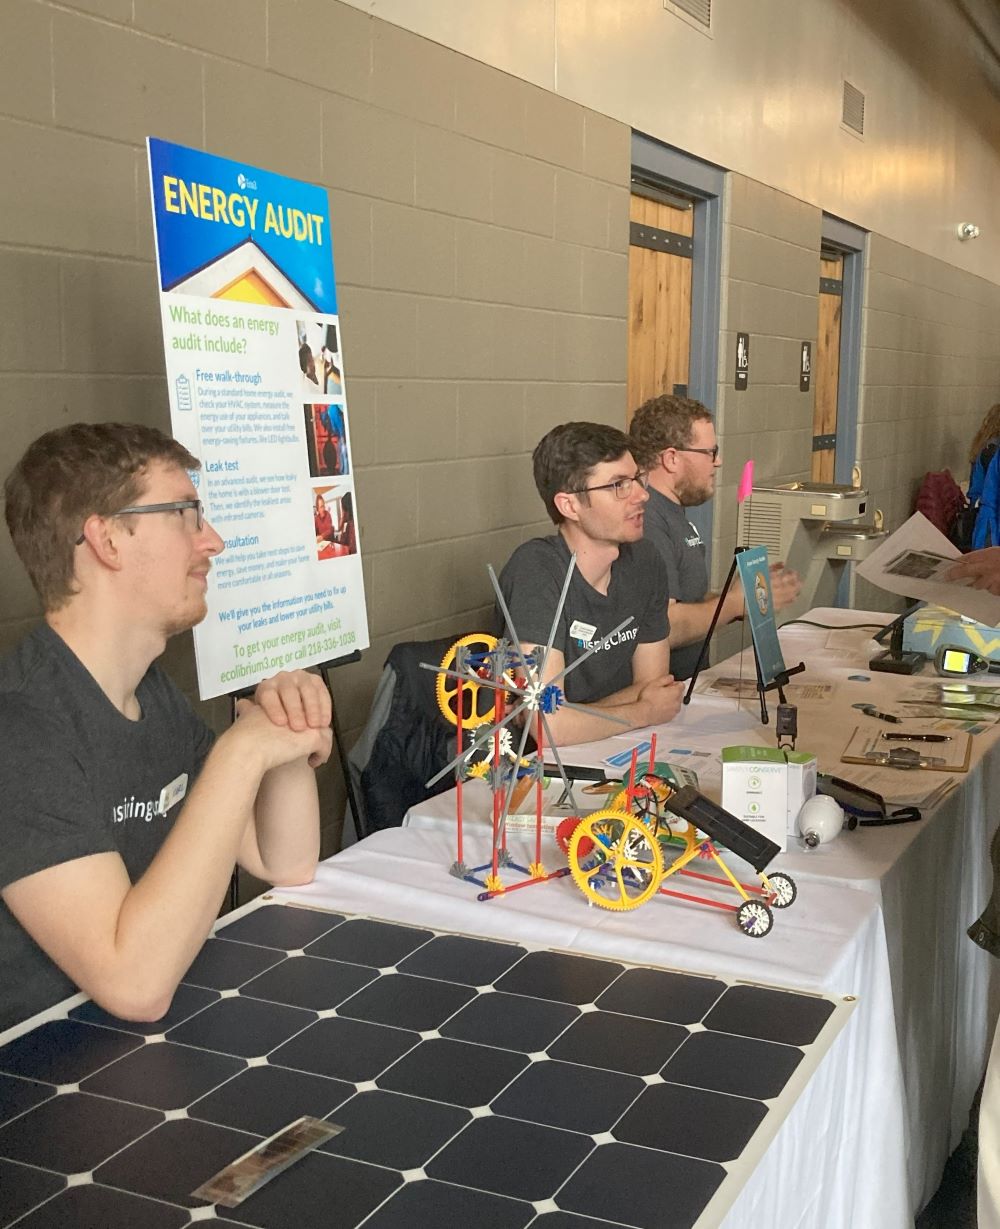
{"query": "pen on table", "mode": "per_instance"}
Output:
(918, 738)
(872, 711)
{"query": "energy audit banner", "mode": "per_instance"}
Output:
(248, 299)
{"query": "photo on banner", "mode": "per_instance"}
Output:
(255, 372)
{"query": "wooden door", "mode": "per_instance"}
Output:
(660, 254)
(826, 366)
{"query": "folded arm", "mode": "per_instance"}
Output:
(281, 845)
(652, 698)
(128, 945)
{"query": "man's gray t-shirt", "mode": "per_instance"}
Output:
(531, 583)
(679, 545)
(78, 778)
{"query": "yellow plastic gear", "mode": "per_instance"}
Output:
(447, 688)
(478, 770)
(537, 870)
(624, 843)
(493, 883)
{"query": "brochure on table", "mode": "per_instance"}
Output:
(255, 373)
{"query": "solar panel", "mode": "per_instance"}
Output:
(477, 1082)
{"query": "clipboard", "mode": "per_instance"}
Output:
(866, 743)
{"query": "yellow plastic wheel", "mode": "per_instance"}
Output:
(477, 701)
(615, 860)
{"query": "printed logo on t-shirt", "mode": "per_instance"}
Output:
(147, 809)
(695, 538)
(134, 808)
(623, 636)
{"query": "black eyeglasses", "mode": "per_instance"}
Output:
(622, 487)
(179, 506)
(708, 452)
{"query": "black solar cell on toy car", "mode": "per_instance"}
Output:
(739, 838)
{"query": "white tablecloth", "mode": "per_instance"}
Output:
(931, 880)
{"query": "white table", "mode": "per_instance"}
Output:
(837, 1160)
(930, 880)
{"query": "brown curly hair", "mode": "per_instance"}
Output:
(664, 422)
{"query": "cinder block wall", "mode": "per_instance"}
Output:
(930, 363)
(770, 290)
(770, 283)
(931, 370)
(480, 231)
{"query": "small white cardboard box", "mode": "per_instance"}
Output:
(766, 787)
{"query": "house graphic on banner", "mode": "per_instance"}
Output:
(246, 274)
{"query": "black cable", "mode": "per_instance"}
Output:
(835, 627)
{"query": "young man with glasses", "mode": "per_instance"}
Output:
(595, 494)
(674, 437)
(121, 817)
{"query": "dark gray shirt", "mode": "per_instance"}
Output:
(78, 778)
(531, 583)
(679, 545)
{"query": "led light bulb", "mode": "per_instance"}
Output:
(820, 821)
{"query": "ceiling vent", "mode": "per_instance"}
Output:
(854, 108)
(700, 10)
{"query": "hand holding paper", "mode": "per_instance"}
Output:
(918, 561)
(980, 568)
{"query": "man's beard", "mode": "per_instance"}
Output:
(690, 494)
(184, 620)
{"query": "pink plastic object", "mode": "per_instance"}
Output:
(746, 482)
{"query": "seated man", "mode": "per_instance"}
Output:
(120, 822)
(674, 438)
(595, 494)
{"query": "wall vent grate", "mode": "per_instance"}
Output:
(761, 524)
(700, 10)
(854, 108)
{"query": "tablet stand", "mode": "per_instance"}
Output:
(786, 719)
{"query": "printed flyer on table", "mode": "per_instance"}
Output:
(255, 372)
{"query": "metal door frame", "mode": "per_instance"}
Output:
(656, 164)
(851, 242)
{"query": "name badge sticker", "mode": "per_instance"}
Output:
(584, 632)
(171, 794)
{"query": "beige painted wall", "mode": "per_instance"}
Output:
(762, 95)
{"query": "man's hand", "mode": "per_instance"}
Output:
(786, 585)
(661, 700)
(982, 567)
(288, 719)
(295, 698)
